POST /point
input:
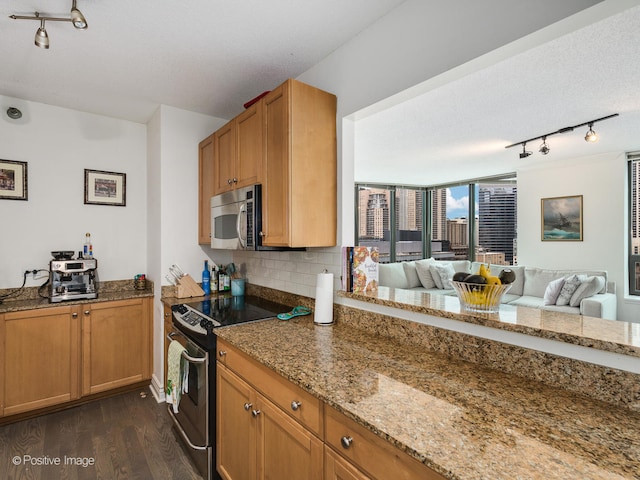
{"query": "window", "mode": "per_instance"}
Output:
(472, 220)
(634, 223)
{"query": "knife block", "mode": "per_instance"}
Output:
(187, 287)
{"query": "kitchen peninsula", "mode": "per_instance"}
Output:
(459, 418)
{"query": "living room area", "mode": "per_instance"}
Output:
(414, 140)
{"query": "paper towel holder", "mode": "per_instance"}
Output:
(323, 312)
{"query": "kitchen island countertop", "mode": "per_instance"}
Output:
(460, 419)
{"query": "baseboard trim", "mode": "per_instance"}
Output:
(157, 389)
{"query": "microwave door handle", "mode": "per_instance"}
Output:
(242, 211)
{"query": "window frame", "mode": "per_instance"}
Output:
(633, 258)
(427, 218)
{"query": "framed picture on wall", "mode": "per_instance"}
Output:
(562, 219)
(105, 188)
(13, 180)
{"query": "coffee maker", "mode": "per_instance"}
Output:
(71, 279)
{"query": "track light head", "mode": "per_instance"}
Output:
(525, 153)
(591, 136)
(42, 39)
(77, 18)
(544, 148)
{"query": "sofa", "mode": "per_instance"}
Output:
(582, 292)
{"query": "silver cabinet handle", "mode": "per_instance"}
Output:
(346, 441)
(87, 312)
(235, 180)
(229, 181)
(295, 405)
(247, 406)
(255, 413)
(167, 315)
(222, 353)
(74, 315)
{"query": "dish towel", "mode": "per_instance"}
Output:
(177, 369)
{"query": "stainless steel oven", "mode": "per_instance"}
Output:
(193, 326)
(192, 419)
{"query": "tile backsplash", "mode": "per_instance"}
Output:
(292, 271)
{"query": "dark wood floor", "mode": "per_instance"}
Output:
(129, 436)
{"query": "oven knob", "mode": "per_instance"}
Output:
(207, 325)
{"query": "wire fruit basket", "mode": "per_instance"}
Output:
(476, 297)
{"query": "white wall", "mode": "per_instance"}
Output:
(173, 137)
(601, 180)
(58, 144)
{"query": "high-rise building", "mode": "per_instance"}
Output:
(377, 215)
(439, 214)
(497, 219)
(635, 207)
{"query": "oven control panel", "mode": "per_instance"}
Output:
(193, 319)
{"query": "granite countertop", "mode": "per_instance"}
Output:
(108, 291)
(607, 335)
(460, 419)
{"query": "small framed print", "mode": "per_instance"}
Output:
(562, 219)
(105, 188)
(13, 180)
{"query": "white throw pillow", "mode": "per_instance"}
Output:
(571, 284)
(442, 274)
(587, 288)
(553, 291)
(424, 274)
(412, 275)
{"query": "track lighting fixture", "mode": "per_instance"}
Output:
(525, 153)
(42, 39)
(591, 136)
(544, 149)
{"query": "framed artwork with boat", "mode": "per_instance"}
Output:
(562, 219)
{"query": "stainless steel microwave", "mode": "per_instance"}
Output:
(236, 219)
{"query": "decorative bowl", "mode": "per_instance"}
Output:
(476, 297)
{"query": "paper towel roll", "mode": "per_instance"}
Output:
(323, 314)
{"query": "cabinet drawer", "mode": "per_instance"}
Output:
(370, 453)
(302, 406)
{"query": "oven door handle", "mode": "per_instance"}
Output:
(242, 239)
(183, 434)
(185, 355)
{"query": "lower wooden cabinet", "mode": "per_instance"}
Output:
(40, 360)
(55, 355)
(372, 455)
(257, 440)
(270, 428)
(337, 468)
(116, 344)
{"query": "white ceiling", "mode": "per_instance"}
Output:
(138, 54)
(466, 123)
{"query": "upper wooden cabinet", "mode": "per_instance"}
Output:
(300, 186)
(229, 158)
(238, 153)
(286, 141)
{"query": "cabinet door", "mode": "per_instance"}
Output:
(205, 189)
(224, 154)
(276, 188)
(285, 448)
(168, 327)
(40, 358)
(250, 148)
(337, 468)
(236, 429)
(116, 344)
